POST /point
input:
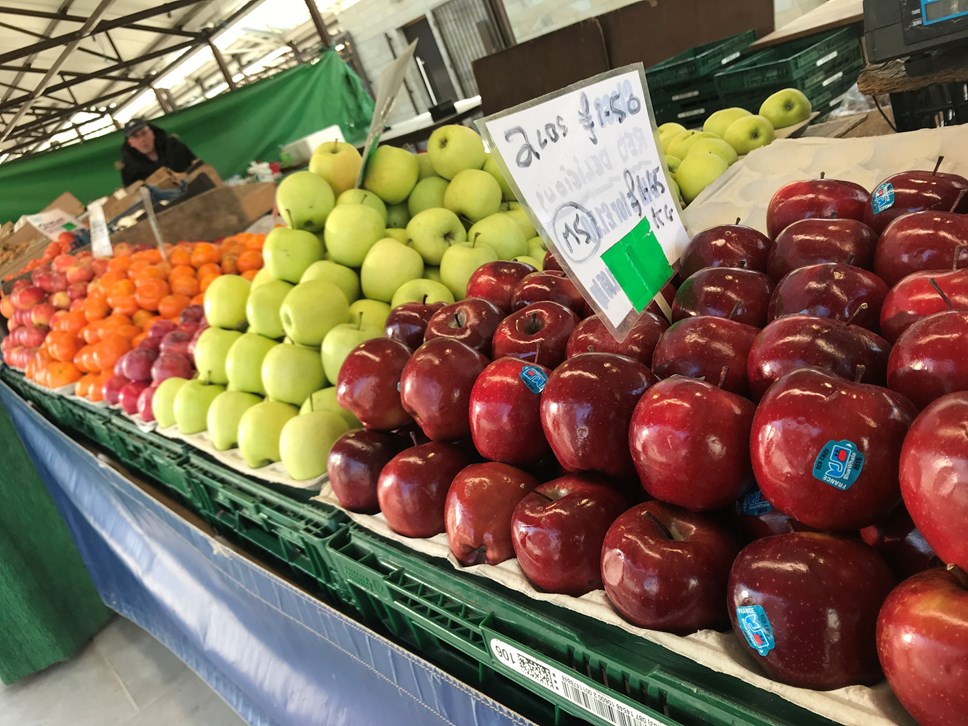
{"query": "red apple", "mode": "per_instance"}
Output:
(922, 241)
(823, 198)
(192, 314)
(32, 336)
(901, 544)
(934, 476)
(912, 191)
(112, 389)
(728, 245)
(551, 285)
(408, 322)
(586, 408)
(161, 328)
(25, 298)
(171, 365)
(137, 364)
(804, 605)
(812, 241)
(724, 292)
(471, 321)
(368, 385)
(496, 281)
(77, 291)
(754, 517)
(177, 341)
(60, 300)
(826, 450)
(916, 297)
(144, 404)
(557, 531)
(354, 465)
(41, 314)
(129, 395)
(478, 509)
(80, 273)
(922, 643)
(593, 336)
(550, 262)
(666, 568)
(831, 290)
(930, 358)
(537, 333)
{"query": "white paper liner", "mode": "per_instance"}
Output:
(721, 652)
(232, 458)
(67, 390)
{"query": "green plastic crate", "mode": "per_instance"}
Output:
(92, 422)
(791, 64)
(448, 614)
(698, 62)
(160, 459)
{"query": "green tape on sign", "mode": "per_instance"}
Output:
(639, 265)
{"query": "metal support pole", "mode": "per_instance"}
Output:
(222, 66)
(318, 22)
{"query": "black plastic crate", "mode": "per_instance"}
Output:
(941, 104)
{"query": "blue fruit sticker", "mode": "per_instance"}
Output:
(754, 504)
(883, 197)
(838, 464)
(534, 378)
(756, 627)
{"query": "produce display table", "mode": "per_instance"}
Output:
(275, 654)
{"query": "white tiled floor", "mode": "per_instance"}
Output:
(124, 677)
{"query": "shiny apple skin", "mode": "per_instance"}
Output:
(495, 282)
(821, 594)
(505, 415)
(435, 387)
(934, 476)
(919, 190)
(413, 487)
(914, 298)
(902, 545)
(670, 577)
(725, 292)
(830, 290)
(408, 322)
(354, 467)
(538, 332)
(368, 385)
(764, 520)
(922, 642)
(472, 321)
(557, 532)
(797, 341)
(726, 245)
(551, 285)
(812, 241)
(922, 241)
(690, 443)
(593, 336)
(798, 416)
(930, 359)
(586, 408)
(478, 509)
(812, 198)
(703, 347)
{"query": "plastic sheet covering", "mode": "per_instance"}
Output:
(276, 655)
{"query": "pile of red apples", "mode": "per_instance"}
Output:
(789, 456)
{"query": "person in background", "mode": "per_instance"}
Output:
(147, 148)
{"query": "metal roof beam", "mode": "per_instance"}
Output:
(46, 14)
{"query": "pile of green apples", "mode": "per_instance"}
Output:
(416, 231)
(697, 158)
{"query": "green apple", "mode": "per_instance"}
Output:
(211, 352)
(262, 277)
(428, 194)
(680, 147)
(459, 263)
(340, 341)
(536, 241)
(669, 131)
(305, 442)
(430, 291)
(719, 121)
(391, 174)
(698, 171)
(516, 212)
(225, 301)
(453, 148)
(529, 260)
(191, 405)
(714, 146)
(786, 108)
(345, 278)
(425, 168)
(747, 133)
(370, 312)
(325, 400)
(432, 231)
(536, 248)
(304, 201)
(367, 199)
(400, 235)
(398, 215)
(501, 233)
(260, 429)
(224, 416)
(676, 192)
(263, 306)
(288, 252)
(311, 309)
(338, 163)
(473, 194)
(351, 230)
(291, 372)
(432, 272)
(387, 266)
(243, 366)
(673, 163)
(163, 401)
(492, 167)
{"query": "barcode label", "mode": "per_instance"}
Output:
(687, 94)
(587, 697)
(833, 79)
(827, 58)
(730, 58)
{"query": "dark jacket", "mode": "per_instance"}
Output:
(172, 153)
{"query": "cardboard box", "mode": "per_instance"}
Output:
(125, 198)
(24, 235)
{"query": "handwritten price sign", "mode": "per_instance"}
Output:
(587, 163)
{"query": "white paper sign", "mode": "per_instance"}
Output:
(587, 163)
(52, 223)
(100, 238)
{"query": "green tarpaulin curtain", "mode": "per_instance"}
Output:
(228, 132)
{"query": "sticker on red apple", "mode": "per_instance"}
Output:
(838, 464)
(883, 197)
(534, 378)
(754, 504)
(756, 628)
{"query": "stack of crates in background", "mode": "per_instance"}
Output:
(683, 88)
(823, 66)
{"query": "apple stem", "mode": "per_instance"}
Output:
(543, 495)
(850, 258)
(823, 174)
(413, 438)
(737, 220)
(959, 575)
(941, 293)
(860, 308)
(959, 251)
(957, 202)
(859, 372)
(662, 528)
(537, 352)
(722, 376)
(457, 319)
(736, 306)
(743, 263)
(937, 164)
(289, 212)
(359, 322)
